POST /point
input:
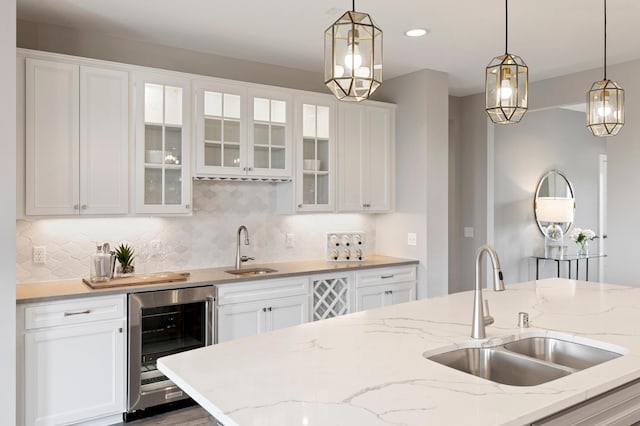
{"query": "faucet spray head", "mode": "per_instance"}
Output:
(246, 240)
(498, 282)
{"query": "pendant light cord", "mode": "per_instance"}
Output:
(506, 26)
(605, 39)
(353, 5)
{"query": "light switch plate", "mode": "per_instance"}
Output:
(412, 239)
(468, 232)
(290, 240)
(39, 255)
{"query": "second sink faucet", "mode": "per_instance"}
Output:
(480, 320)
(240, 259)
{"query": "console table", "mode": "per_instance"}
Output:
(568, 259)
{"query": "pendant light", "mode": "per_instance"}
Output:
(353, 56)
(506, 84)
(605, 100)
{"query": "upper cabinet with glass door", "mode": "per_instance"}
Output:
(315, 141)
(269, 134)
(163, 182)
(221, 131)
(242, 132)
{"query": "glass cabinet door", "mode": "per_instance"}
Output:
(162, 148)
(270, 136)
(315, 155)
(220, 129)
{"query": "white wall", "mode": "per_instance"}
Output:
(206, 239)
(623, 167)
(421, 177)
(54, 38)
(548, 139)
(8, 222)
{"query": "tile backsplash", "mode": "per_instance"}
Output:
(206, 239)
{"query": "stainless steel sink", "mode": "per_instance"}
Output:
(251, 271)
(561, 352)
(500, 366)
(526, 362)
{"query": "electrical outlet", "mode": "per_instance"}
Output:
(468, 232)
(39, 256)
(412, 239)
(291, 240)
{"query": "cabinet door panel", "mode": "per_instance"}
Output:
(104, 141)
(350, 159)
(377, 167)
(402, 292)
(287, 312)
(74, 373)
(52, 123)
(241, 320)
(370, 298)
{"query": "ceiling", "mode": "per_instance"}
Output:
(554, 37)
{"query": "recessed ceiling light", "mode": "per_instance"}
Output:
(416, 32)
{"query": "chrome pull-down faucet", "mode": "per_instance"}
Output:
(480, 320)
(241, 259)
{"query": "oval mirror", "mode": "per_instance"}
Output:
(554, 202)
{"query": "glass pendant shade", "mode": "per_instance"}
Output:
(605, 108)
(605, 100)
(353, 57)
(506, 87)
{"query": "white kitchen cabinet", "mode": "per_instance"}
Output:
(77, 139)
(365, 157)
(247, 309)
(315, 140)
(163, 123)
(73, 357)
(242, 132)
(380, 287)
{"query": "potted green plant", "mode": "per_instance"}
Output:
(125, 256)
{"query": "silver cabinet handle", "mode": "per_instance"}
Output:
(84, 207)
(75, 207)
(299, 206)
(186, 206)
(250, 168)
(384, 277)
(68, 314)
(270, 308)
(388, 292)
(264, 309)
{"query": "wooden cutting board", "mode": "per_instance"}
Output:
(155, 278)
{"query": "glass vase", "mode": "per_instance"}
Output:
(583, 248)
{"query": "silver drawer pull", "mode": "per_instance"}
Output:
(68, 314)
(386, 276)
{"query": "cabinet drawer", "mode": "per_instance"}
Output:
(380, 276)
(74, 311)
(259, 290)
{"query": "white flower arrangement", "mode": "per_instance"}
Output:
(580, 236)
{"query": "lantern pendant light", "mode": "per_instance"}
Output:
(506, 85)
(605, 100)
(353, 56)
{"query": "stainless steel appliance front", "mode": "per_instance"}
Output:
(163, 323)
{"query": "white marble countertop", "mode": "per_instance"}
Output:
(368, 368)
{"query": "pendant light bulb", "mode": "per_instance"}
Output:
(505, 89)
(352, 59)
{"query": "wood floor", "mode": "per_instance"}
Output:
(190, 416)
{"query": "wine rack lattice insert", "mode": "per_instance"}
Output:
(330, 298)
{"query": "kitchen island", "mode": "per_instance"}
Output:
(368, 368)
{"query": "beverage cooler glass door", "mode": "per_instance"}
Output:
(162, 323)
